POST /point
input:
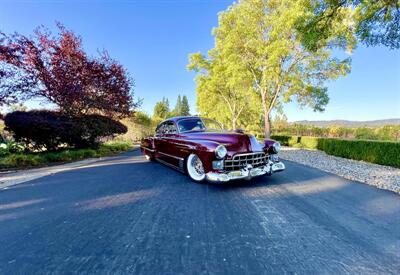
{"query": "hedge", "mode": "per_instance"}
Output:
(380, 152)
(50, 129)
(386, 132)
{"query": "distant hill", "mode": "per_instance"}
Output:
(349, 123)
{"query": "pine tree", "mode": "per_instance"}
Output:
(185, 110)
(178, 107)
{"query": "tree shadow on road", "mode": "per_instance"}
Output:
(117, 210)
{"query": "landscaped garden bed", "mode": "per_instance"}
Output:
(28, 160)
(42, 137)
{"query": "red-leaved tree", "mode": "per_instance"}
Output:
(57, 68)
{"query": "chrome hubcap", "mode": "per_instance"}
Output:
(195, 168)
(197, 165)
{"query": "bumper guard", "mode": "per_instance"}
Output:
(246, 172)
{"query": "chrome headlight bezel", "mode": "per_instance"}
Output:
(220, 151)
(218, 164)
(276, 147)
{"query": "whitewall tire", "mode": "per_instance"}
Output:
(195, 168)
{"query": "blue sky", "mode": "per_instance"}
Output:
(153, 38)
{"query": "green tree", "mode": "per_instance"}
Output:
(142, 118)
(178, 107)
(260, 36)
(161, 109)
(223, 88)
(181, 107)
(185, 109)
(375, 22)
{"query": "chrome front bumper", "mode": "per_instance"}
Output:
(246, 173)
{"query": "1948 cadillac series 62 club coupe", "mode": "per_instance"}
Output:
(203, 150)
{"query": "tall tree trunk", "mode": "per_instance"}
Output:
(267, 124)
(234, 123)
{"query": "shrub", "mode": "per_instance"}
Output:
(117, 146)
(309, 142)
(8, 147)
(3, 150)
(88, 129)
(43, 128)
(21, 160)
(380, 152)
(51, 129)
(286, 140)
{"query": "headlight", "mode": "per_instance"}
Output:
(220, 151)
(276, 147)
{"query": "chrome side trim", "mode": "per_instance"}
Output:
(170, 165)
(168, 155)
(148, 149)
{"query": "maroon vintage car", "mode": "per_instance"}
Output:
(202, 149)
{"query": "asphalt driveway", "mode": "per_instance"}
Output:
(125, 215)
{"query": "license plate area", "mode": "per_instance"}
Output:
(235, 173)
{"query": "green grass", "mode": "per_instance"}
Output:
(380, 152)
(25, 160)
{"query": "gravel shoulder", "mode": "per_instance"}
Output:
(380, 176)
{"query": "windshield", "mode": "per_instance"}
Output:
(198, 124)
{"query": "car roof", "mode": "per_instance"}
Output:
(177, 118)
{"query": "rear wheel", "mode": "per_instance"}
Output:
(195, 168)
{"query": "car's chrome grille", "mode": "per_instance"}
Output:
(242, 160)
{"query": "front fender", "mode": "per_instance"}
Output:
(205, 149)
(206, 145)
(268, 146)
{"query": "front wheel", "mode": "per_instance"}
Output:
(194, 168)
(149, 157)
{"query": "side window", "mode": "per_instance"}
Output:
(167, 127)
(170, 128)
(160, 129)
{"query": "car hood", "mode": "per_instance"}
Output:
(234, 142)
